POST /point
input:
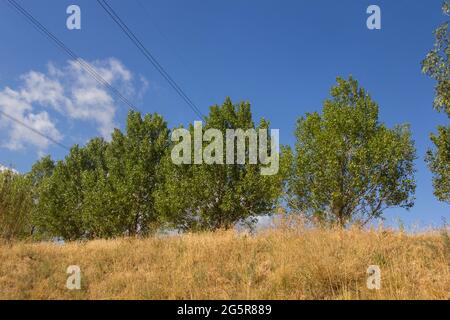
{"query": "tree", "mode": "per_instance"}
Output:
(437, 66)
(15, 206)
(133, 165)
(349, 167)
(97, 211)
(210, 196)
(41, 170)
(439, 163)
(58, 211)
(104, 189)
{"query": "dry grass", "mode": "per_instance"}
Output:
(284, 263)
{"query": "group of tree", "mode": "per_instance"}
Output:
(103, 189)
(346, 167)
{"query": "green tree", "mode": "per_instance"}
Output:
(212, 196)
(15, 206)
(104, 189)
(133, 165)
(437, 66)
(96, 209)
(58, 211)
(41, 170)
(349, 167)
(439, 163)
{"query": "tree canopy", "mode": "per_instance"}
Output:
(104, 189)
(437, 66)
(348, 166)
(212, 196)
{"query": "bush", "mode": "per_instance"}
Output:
(15, 206)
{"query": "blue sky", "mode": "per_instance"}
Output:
(282, 56)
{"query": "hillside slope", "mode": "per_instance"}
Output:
(277, 264)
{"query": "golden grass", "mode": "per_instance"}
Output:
(283, 263)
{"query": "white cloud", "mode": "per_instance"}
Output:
(16, 105)
(70, 91)
(38, 88)
(3, 169)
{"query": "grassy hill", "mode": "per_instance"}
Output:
(283, 263)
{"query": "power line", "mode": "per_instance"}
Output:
(33, 129)
(162, 35)
(110, 11)
(6, 167)
(129, 33)
(86, 66)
